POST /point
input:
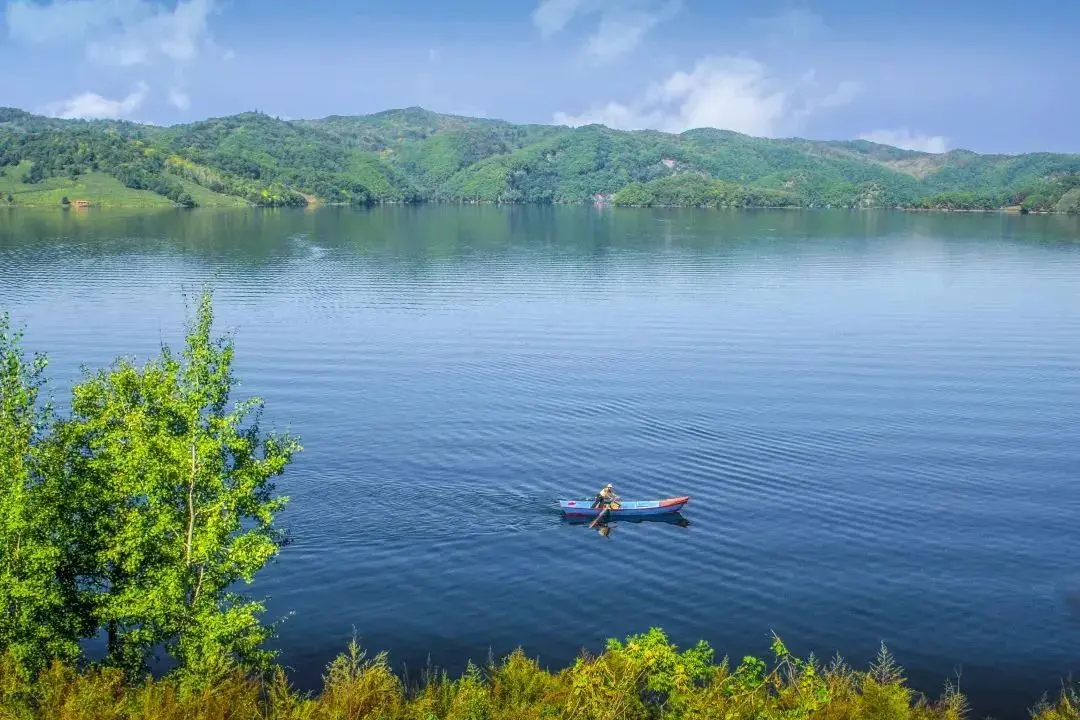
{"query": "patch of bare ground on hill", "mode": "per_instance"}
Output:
(918, 167)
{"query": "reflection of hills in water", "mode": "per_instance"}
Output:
(413, 234)
(455, 254)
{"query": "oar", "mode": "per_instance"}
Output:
(602, 514)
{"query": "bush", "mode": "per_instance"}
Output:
(1070, 202)
(643, 678)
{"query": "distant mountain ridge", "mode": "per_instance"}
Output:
(415, 155)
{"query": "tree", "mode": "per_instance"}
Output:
(1070, 202)
(634, 194)
(43, 612)
(184, 506)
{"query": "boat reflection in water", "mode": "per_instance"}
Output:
(605, 527)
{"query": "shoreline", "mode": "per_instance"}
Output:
(606, 206)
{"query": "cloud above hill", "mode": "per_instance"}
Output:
(91, 106)
(905, 139)
(621, 26)
(731, 93)
(121, 35)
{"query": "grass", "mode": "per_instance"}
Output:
(100, 189)
(643, 678)
(208, 198)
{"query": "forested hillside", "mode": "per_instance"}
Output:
(413, 155)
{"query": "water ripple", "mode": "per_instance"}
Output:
(875, 415)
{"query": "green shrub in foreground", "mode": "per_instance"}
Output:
(643, 678)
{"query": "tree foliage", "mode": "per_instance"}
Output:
(413, 155)
(694, 190)
(139, 514)
(43, 614)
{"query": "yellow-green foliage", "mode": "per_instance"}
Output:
(643, 678)
(204, 197)
(100, 189)
(1067, 707)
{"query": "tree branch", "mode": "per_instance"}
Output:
(191, 505)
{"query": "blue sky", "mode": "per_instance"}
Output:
(989, 76)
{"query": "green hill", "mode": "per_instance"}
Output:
(413, 155)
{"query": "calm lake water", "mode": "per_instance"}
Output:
(877, 416)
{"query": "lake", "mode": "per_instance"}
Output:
(875, 413)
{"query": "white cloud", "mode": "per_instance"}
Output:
(844, 93)
(813, 100)
(730, 93)
(903, 138)
(722, 92)
(120, 34)
(116, 32)
(67, 20)
(621, 31)
(179, 99)
(90, 105)
(613, 114)
(551, 16)
(622, 25)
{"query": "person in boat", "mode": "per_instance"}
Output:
(606, 497)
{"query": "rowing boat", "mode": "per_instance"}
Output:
(627, 508)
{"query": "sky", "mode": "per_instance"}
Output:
(932, 75)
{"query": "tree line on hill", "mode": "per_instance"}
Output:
(413, 155)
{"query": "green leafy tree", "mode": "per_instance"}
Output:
(42, 615)
(185, 505)
(634, 194)
(1070, 202)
